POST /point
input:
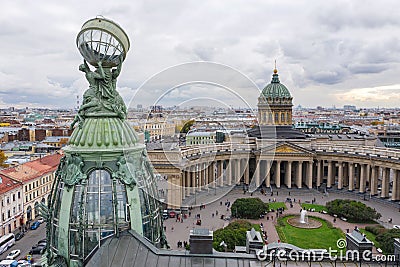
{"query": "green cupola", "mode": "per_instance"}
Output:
(275, 103)
(104, 183)
(275, 89)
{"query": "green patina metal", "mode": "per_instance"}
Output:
(105, 182)
(275, 89)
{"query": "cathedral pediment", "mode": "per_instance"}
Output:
(285, 148)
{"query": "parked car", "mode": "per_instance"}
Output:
(23, 263)
(40, 219)
(19, 235)
(35, 225)
(165, 215)
(396, 226)
(13, 254)
(40, 249)
(42, 242)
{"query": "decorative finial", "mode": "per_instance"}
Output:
(275, 70)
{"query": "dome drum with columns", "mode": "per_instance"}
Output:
(275, 112)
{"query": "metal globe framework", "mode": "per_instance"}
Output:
(102, 40)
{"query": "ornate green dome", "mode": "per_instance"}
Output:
(103, 133)
(275, 89)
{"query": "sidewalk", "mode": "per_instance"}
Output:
(181, 230)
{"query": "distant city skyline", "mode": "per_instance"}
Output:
(328, 53)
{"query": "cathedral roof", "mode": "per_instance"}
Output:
(275, 89)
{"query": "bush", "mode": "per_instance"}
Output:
(386, 240)
(354, 211)
(249, 208)
(233, 235)
(376, 230)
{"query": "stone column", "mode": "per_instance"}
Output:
(206, 175)
(228, 172)
(299, 179)
(247, 172)
(268, 173)
(395, 187)
(374, 181)
(211, 175)
(278, 174)
(174, 191)
(320, 165)
(367, 177)
(220, 176)
(238, 174)
(310, 174)
(256, 175)
(183, 183)
(358, 176)
(201, 177)
(362, 178)
(351, 176)
(346, 175)
(385, 182)
(340, 175)
(193, 174)
(330, 174)
(288, 174)
(188, 181)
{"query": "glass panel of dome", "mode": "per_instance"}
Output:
(91, 242)
(74, 242)
(92, 208)
(55, 235)
(106, 208)
(106, 231)
(76, 204)
(58, 199)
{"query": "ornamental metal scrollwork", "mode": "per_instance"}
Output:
(71, 172)
(125, 167)
(59, 261)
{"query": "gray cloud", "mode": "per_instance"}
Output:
(321, 48)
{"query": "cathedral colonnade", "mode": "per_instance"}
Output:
(365, 176)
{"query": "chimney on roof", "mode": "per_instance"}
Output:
(201, 241)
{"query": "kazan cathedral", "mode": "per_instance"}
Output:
(275, 155)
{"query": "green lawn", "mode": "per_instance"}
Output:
(317, 208)
(276, 205)
(324, 237)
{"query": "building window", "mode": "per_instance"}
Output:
(282, 117)
(26, 188)
(19, 195)
(13, 197)
(9, 214)
(276, 118)
(8, 200)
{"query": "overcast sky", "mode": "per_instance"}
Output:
(328, 52)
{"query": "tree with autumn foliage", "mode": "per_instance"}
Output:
(3, 158)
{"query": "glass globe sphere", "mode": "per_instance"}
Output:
(102, 40)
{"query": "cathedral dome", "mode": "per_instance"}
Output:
(275, 89)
